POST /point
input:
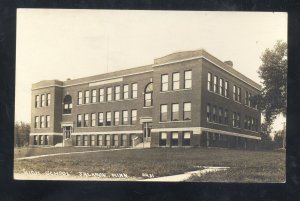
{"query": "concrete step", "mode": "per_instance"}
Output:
(143, 145)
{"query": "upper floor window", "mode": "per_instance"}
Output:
(79, 120)
(187, 111)
(86, 97)
(134, 88)
(221, 87)
(94, 96)
(215, 114)
(67, 104)
(125, 117)
(37, 101)
(100, 119)
(79, 101)
(175, 80)
(125, 91)
(43, 102)
(220, 115)
(133, 116)
(36, 121)
(47, 121)
(226, 92)
(42, 122)
(208, 113)
(101, 95)
(108, 94)
(117, 92)
(108, 118)
(239, 94)
(86, 120)
(165, 82)
(209, 82)
(216, 89)
(226, 117)
(93, 118)
(163, 113)
(48, 99)
(188, 79)
(117, 118)
(236, 120)
(175, 112)
(148, 100)
(250, 100)
(235, 92)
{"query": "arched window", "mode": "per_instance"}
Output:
(67, 104)
(148, 100)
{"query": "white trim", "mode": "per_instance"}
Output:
(177, 90)
(108, 132)
(109, 81)
(196, 130)
(126, 75)
(202, 57)
(181, 121)
(67, 124)
(229, 133)
(32, 134)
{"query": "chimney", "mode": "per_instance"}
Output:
(229, 63)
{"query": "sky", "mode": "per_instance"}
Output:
(61, 44)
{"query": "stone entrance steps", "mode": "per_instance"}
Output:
(142, 145)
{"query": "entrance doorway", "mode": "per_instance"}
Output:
(147, 126)
(67, 130)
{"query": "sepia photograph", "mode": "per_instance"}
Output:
(150, 96)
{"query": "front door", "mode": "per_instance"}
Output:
(67, 130)
(147, 131)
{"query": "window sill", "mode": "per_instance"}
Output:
(217, 123)
(112, 101)
(176, 90)
(66, 114)
(183, 121)
(148, 106)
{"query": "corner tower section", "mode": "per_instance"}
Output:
(46, 109)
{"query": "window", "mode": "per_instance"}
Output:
(94, 96)
(67, 104)
(134, 88)
(234, 119)
(93, 140)
(208, 113)
(46, 139)
(48, 99)
(187, 108)
(93, 119)
(148, 101)
(99, 139)
(107, 140)
(245, 122)
(108, 94)
(125, 91)
(238, 120)
(188, 79)
(100, 119)
(79, 120)
(247, 98)
(41, 140)
(175, 80)
(117, 118)
(79, 101)
(186, 141)
(209, 82)
(133, 116)
(125, 117)
(239, 94)
(86, 97)
(220, 115)
(43, 97)
(221, 87)
(117, 92)
(174, 139)
(108, 118)
(37, 101)
(116, 140)
(216, 87)
(226, 92)
(36, 122)
(78, 140)
(35, 139)
(86, 120)
(226, 117)
(163, 139)
(250, 100)
(235, 93)
(256, 124)
(124, 140)
(101, 95)
(215, 119)
(249, 123)
(47, 121)
(164, 82)
(175, 112)
(252, 124)
(163, 113)
(42, 122)
(85, 140)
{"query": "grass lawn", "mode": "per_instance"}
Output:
(245, 166)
